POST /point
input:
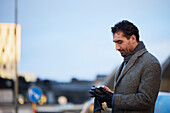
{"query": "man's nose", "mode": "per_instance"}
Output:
(117, 47)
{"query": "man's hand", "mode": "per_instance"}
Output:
(103, 94)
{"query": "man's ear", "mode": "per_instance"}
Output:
(133, 38)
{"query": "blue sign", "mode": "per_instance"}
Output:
(34, 94)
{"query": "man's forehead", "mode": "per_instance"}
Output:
(118, 36)
(120, 33)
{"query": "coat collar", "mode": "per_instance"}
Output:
(128, 66)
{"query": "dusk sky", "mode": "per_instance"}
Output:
(61, 39)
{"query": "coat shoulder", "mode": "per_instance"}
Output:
(148, 57)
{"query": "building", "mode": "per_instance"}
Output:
(165, 83)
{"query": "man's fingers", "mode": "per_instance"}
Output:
(92, 93)
(105, 87)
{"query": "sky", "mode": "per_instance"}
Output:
(61, 39)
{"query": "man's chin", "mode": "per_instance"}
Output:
(123, 55)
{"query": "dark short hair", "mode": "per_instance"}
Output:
(127, 28)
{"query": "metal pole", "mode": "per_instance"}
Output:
(16, 72)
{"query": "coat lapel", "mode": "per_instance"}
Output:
(117, 75)
(128, 66)
(118, 72)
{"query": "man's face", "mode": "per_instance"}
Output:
(123, 45)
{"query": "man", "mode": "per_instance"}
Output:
(137, 81)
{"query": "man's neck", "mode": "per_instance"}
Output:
(138, 46)
(135, 45)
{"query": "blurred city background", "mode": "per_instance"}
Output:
(63, 48)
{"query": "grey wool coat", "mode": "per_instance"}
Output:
(137, 87)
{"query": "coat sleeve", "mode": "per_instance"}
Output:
(147, 91)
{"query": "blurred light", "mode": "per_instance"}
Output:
(62, 100)
(43, 100)
(91, 107)
(20, 99)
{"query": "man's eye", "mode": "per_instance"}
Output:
(119, 42)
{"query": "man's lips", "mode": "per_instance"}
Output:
(121, 51)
